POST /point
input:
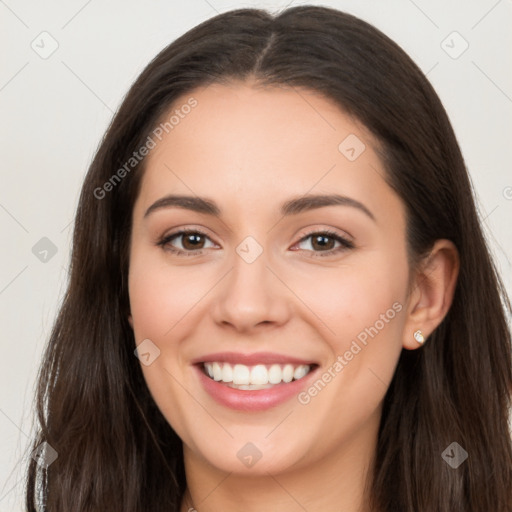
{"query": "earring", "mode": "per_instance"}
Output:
(418, 336)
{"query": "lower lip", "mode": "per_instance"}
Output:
(253, 400)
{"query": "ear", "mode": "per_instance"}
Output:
(130, 320)
(432, 293)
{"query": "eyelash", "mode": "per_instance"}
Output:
(345, 244)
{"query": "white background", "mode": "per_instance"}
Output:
(55, 110)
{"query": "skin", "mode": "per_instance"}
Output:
(250, 149)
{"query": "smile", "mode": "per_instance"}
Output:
(259, 376)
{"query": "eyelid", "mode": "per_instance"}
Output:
(166, 239)
(346, 242)
(330, 231)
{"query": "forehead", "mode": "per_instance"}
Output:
(250, 145)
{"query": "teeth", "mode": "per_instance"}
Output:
(259, 375)
(275, 374)
(249, 387)
(300, 372)
(241, 374)
(288, 373)
(255, 377)
(227, 373)
(217, 371)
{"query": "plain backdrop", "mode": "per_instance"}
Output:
(64, 68)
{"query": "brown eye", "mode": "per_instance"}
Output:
(323, 242)
(192, 242)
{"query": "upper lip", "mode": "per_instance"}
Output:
(251, 359)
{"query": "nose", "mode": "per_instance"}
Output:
(252, 296)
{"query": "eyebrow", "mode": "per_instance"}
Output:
(293, 206)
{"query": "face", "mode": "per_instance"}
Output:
(295, 304)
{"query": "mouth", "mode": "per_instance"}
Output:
(253, 382)
(255, 377)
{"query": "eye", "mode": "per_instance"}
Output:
(325, 241)
(192, 242)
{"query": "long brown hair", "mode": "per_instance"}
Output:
(115, 449)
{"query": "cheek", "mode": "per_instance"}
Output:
(351, 299)
(360, 311)
(159, 303)
(159, 297)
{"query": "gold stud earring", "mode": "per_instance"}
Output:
(418, 336)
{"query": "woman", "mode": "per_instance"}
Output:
(280, 296)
